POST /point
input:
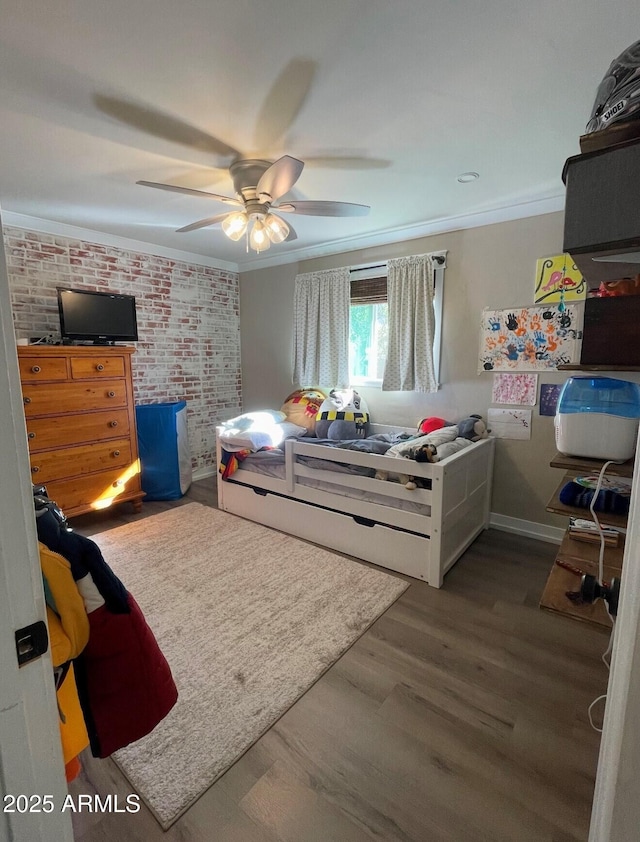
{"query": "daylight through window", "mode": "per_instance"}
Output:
(368, 330)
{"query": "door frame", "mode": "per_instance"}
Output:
(615, 815)
(31, 762)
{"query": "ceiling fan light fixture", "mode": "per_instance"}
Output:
(258, 239)
(277, 229)
(235, 225)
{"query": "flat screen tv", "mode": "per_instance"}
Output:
(98, 317)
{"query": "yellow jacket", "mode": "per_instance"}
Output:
(68, 635)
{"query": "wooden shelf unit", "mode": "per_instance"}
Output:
(581, 554)
(593, 367)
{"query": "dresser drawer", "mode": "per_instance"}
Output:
(63, 430)
(94, 491)
(42, 368)
(87, 368)
(79, 460)
(49, 399)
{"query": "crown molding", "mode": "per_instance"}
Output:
(61, 229)
(443, 225)
(537, 207)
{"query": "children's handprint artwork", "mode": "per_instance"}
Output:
(528, 339)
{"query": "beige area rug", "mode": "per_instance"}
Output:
(249, 619)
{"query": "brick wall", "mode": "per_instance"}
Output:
(188, 321)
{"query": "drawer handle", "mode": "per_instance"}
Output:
(118, 483)
(111, 394)
(116, 453)
(113, 423)
(35, 469)
(27, 400)
(32, 435)
(35, 369)
(99, 367)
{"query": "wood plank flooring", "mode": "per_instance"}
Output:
(460, 715)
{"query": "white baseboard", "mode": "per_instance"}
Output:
(550, 534)
(203, 473)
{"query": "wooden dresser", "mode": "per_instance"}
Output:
(81, 428)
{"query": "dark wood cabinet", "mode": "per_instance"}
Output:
(602, 216)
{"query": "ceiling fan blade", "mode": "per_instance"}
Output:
(279, 178)
(190, 191)
(163, 126)
(292, 235)
(324, 208)
(203, 223)
(283, 102)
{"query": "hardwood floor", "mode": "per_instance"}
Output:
(460, 715)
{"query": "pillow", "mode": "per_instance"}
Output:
(257, 438)
(259, 419)
(343, 415)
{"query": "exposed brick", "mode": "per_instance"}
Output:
(186, 313)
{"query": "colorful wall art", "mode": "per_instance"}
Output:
(549, 394)
(517, 389)
(527, 339)
(558, 279)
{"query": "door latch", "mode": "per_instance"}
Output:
(31, 642)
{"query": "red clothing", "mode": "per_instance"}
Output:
(124, 680)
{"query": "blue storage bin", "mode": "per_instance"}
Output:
(163, 446)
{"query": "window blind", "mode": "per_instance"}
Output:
(369, 291)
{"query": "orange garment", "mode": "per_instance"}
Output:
(72, 769)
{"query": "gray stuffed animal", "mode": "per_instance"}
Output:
(472, 428)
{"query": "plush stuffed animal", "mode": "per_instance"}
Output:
(301, 408)
(422, 449)
(428, 425)
(473, 428)
(343, 415)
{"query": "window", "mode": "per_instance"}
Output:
(368, 330)
(370, 326)
(369, 322)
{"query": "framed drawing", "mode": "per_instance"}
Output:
(529, 339)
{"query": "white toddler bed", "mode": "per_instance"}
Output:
(420, 533)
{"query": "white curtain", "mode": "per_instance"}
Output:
(321, 329)
(409, 365)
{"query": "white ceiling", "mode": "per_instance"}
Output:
(386, 102)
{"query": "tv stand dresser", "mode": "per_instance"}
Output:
(81, 426)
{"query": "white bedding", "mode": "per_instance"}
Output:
(255, 430)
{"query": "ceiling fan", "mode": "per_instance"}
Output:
(258, 184)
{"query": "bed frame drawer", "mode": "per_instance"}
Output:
(392, 549)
